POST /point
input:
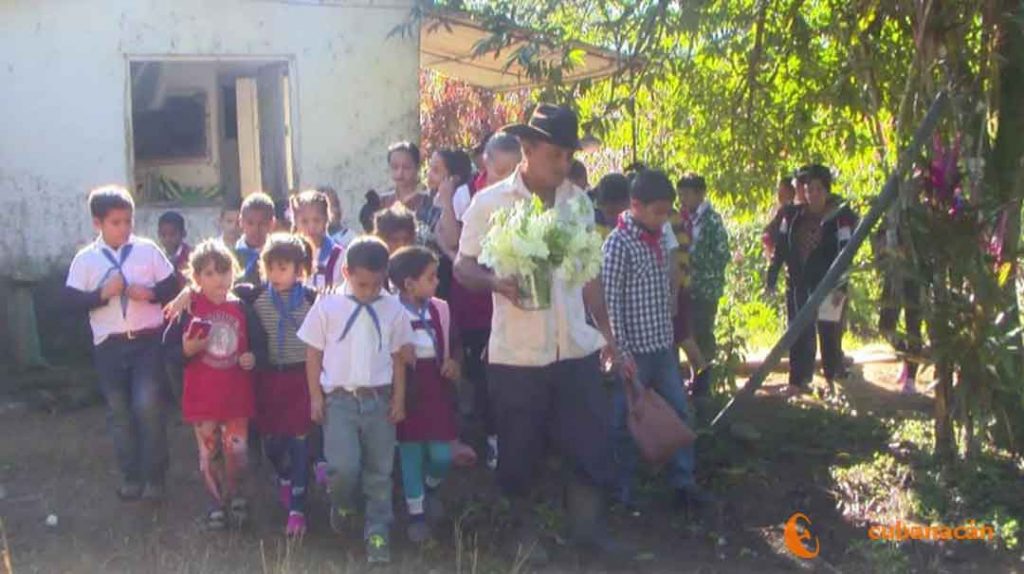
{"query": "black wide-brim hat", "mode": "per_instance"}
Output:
(557, 125)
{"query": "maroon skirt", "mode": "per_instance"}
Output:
(682, 323)
(282, 402)
(430, 405)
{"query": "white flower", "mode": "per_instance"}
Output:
(525, 236)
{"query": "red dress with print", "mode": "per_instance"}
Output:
(216, 387)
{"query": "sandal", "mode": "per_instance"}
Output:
(216, 519)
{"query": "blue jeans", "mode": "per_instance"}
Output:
(131, 379)
(660, 371)
(359, 443)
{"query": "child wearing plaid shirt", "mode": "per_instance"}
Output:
(637, 285)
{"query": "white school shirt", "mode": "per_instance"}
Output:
(422, 341)
(531, 338)
(146, 265)
(361, 359)
(460, 201)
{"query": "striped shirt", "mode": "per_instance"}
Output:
(293, 350)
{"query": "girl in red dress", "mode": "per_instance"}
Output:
(218, 394)
(425, 436)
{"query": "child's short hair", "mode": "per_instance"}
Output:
(691, 180)
(258, 201)
(313, 198)
(821, 173)
(394, 220)
(577, 170)
(367, 252)
(409, 263)
(282, 212)
(650, 186)
(613, 189)
(172, 218)
(107, 198)
(407, 147)
(213, 251)
(288, 248)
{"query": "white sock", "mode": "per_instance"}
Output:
(415, 505)
(432, 482)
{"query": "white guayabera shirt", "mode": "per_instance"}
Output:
(532, 338)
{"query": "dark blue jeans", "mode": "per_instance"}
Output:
(131, 379)
(660, 371)
(290, 457)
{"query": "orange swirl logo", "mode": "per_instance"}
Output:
(794, 536)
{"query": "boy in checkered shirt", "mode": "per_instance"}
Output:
(636, 277)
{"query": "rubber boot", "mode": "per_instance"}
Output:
(526, 544)
(586, 509)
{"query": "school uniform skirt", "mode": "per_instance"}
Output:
(282, 401)
(430, 405)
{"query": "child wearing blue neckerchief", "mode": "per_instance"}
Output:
(425, 436)
(312, 212)
(355, 368)
(257, 216)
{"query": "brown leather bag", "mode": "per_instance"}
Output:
(656, 427)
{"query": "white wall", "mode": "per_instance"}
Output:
(63, 106)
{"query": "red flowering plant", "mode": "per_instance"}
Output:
(955, 244)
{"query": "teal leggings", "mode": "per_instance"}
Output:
(423, 462)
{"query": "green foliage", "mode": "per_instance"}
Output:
(173, 191)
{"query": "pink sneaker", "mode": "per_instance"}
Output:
(296, 526)
(320, 470)
(284, 494)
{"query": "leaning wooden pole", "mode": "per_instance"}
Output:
(809, 311)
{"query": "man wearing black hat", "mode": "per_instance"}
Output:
(545, 365)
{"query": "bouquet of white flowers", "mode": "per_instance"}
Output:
(531, 244)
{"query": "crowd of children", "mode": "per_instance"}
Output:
(295, 338)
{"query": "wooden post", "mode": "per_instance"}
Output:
(809, 311)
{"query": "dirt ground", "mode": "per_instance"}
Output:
(61, 463)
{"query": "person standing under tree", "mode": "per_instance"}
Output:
(709, 256)
(545, 365)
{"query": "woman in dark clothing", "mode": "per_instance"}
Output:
(810, 237)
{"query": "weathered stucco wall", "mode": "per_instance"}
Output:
(64, 101)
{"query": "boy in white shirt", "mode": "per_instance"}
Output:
(123, 281)
(357, 387)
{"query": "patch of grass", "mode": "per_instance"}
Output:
(907, 483)
(880, 556)
(875, 490)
